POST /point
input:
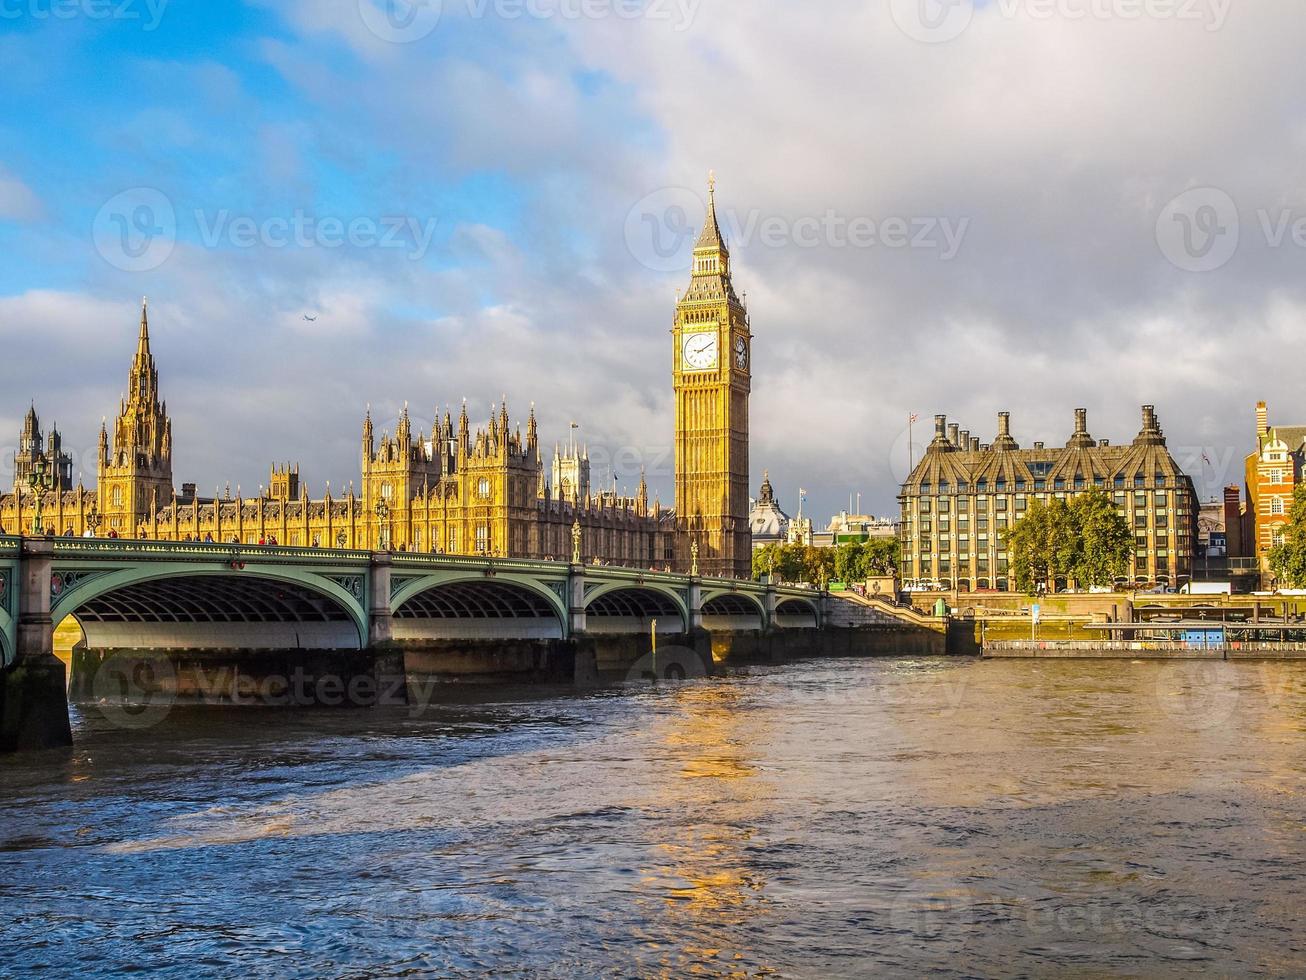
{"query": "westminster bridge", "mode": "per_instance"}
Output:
(458, 618)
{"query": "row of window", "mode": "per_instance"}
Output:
(944, 505)
(1079, 483)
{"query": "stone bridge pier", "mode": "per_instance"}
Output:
(33, 689)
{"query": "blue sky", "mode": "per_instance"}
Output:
(517, 154)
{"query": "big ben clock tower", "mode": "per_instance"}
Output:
(712, 360)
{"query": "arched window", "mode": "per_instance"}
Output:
(116, 496)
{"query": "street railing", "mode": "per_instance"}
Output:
(1144, 646)
(155, 550)
(100, 547)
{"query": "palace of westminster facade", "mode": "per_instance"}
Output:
(450, 491)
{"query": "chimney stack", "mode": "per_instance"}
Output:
(1004, 441)
(1151, 434)
(953, 431)
(1262, 419)
(940, 433)
(1081, 439)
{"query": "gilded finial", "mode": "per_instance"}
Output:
(711, 183)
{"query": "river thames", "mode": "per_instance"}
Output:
(827, 818)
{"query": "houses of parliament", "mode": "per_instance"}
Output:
(453, 490)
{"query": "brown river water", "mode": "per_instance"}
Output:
(822, 819)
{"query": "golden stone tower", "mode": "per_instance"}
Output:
(135, 478)
(712, 360)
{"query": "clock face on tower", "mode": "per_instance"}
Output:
(741, 353)
(700, 351)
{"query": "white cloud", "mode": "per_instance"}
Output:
(1060, 140)
(18, 202)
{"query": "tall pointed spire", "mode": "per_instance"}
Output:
(143, 341)
(711, 235)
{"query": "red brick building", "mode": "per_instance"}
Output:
(1272, 474)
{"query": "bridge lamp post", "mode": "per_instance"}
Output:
(40, 480)
(93, 521)
(383, 528)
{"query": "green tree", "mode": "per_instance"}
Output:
(881, 556)
(785, 560)
(1103, 540)
(1288, 560)
(1042, 545)
(850, 562)
(853, 562)
(818, 565)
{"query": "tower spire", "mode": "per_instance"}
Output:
(711, 235)
(143, 341)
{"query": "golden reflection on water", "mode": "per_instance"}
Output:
(704, 879)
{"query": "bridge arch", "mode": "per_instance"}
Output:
(630, 607)
(463, 606)
(725, 610)
(793, 611)
(208, 607)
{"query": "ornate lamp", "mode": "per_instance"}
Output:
(382, 515)
(40, 481)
